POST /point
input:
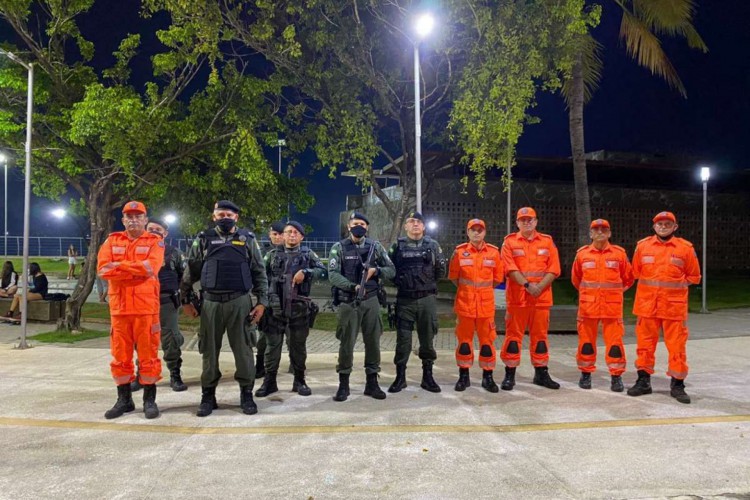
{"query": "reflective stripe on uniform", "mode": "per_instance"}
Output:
(594, 284)
(148, 267)
(533, 274)
(475, 284)
(108, 267)
(665, 284)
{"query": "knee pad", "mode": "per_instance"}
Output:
(587, 348)
(513, 347)
(541, 347)
(485, 351)
(615, 352)
(464, 349)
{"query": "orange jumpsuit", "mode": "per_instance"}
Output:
(476, 271)
(664, 271)
(601, 277)
(533, 258)
(131, 266)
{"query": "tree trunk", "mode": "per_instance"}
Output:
(100, 215)
(578, 148)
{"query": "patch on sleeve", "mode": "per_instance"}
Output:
(332, 263)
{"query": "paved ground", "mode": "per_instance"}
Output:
(529, 443)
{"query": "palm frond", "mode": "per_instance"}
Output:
(591, 67)
(643, 46)
(670, 17)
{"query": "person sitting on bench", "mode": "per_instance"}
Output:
(8, 280)
(37, 291)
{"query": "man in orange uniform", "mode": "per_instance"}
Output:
(665, 266)
(601, 273)
(475, 268)
(130, 260)
(532, 263)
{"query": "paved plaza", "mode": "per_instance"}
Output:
(528, 443)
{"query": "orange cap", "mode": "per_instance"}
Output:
(599, 223)
(134, 207)
(526, 212)
(665, 216)
(475, 222)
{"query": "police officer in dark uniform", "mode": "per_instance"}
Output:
(348, 260)
(419, 263)
(228, 263)
(170, 276)
(276, 238)
(291, 268)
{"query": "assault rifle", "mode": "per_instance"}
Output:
(365, 268)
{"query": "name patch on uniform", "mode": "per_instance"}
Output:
(518, 252)
(239, 243)
(677, 261)
(613, 264)
(543, 251)
(589, 264)
(141, 249)
(118, 250)
(488, 263)
(648, 259)
(466, 262)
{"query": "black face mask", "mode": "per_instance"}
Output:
(358, 231)
(225, 225)
(157, 234)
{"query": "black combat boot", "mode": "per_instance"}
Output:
(616, 384)
(510, 379)
(299, 386)
(149, 401)
(175, 379)
(372, 388)
(124, 402)
(541, 377)
(488, 382)
(269, 385)
(463, 380)
(343, 392)
(260, 367)
(677, 391)
(135, 385)
(585, 381)
(400, 382)
(246, 400)
(642, 385)
(428, 382)
(208, 402)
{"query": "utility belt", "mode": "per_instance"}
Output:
(349, 297)
(414, 295)
(222, 297)
(170, 298)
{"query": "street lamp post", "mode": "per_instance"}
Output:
(27, 192)
(423, 27)
(705, 175)
(5, 199)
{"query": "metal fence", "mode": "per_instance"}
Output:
(44, 246)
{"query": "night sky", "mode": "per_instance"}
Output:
(632, 111)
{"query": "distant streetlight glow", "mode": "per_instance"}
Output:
(59, 213)
(432, 225)
(705, 175)
(425, 24)
(170, 218)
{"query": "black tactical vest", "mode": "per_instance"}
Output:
(415, 268)
(352, 264)
(169, 274)
(226, 267)
(284, 263)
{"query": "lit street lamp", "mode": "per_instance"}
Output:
(59, 213)
(27, 192)
(423, 27)
(705, 175)
(432, 225)
(170, 218)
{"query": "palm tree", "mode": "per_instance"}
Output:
(643, 23)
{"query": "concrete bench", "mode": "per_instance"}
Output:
(39, 310)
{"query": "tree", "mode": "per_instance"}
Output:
(105, 140)
(643, 23)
